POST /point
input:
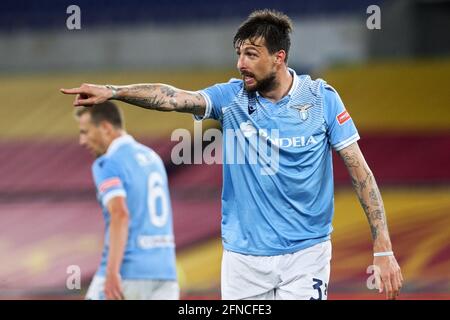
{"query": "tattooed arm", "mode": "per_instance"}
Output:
(370, 198)
(159, 97)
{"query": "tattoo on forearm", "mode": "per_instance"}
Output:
(168, 91)
(376, 215)
(173, 103)
(368, 195)
(373, 231)
(377, 222)
(373, 207)
(151, 102)
(159, 97)
(362, 184)
(374, 198)
(141, 95)
(351, 160)
(192, 106)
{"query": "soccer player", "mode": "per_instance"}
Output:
(138, 260)
(277, 207)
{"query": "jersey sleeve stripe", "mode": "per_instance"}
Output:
(341, 145)
(208, 107)
(112, 194)
(109, 183)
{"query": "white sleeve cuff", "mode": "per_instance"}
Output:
(208, 107)
(341, 145)
(112, 194)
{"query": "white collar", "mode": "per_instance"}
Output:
(294, 81)
(118, 142)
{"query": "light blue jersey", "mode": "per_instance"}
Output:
(277, 195)
(136, 172)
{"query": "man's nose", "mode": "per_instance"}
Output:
(240, 63)
(82, 141)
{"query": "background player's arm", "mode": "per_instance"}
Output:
(157, 96)
(118, 234)
(369, 196)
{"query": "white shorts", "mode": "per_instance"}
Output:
(137, 289)
(302, 275)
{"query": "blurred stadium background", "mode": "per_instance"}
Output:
(394, 81)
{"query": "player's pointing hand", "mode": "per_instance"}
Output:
(89, 94)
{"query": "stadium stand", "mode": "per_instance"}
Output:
(45, 14)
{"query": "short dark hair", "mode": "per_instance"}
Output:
(273, 26)
(106, 111)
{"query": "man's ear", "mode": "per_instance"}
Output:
(280, 56)
(106, 127)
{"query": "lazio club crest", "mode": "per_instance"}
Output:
(303, 111)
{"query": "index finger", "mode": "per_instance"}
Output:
(71, 91)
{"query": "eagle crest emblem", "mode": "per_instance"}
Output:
(303, 111)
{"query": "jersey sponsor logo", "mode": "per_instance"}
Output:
(159, 241)
(343, 117)
(109, 183)
(303, 111)
(295, 142)
(247, 145)
(248, 130)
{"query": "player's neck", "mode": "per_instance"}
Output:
(284, 80)
(115, 135)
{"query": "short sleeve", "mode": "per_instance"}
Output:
(108, 180)
(217, 97)
(342, 131)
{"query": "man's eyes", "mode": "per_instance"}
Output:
(249, 54)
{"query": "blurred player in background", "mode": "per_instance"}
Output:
(276, 225)
(138, 260)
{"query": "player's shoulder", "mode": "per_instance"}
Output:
(105, 163)
(236, 82)
(99, 163)
(141, 147)
(330, 94)
(329, 90)
(233, 85)
(222, 94)
(308, 85)
(319, 87)
(145, 155)
(332, 103)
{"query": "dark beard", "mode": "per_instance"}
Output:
(264, 85)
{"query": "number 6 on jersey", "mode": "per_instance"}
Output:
(156, 192)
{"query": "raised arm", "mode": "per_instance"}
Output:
(156, 96)
(370, 198)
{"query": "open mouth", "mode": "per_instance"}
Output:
(249, 80)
